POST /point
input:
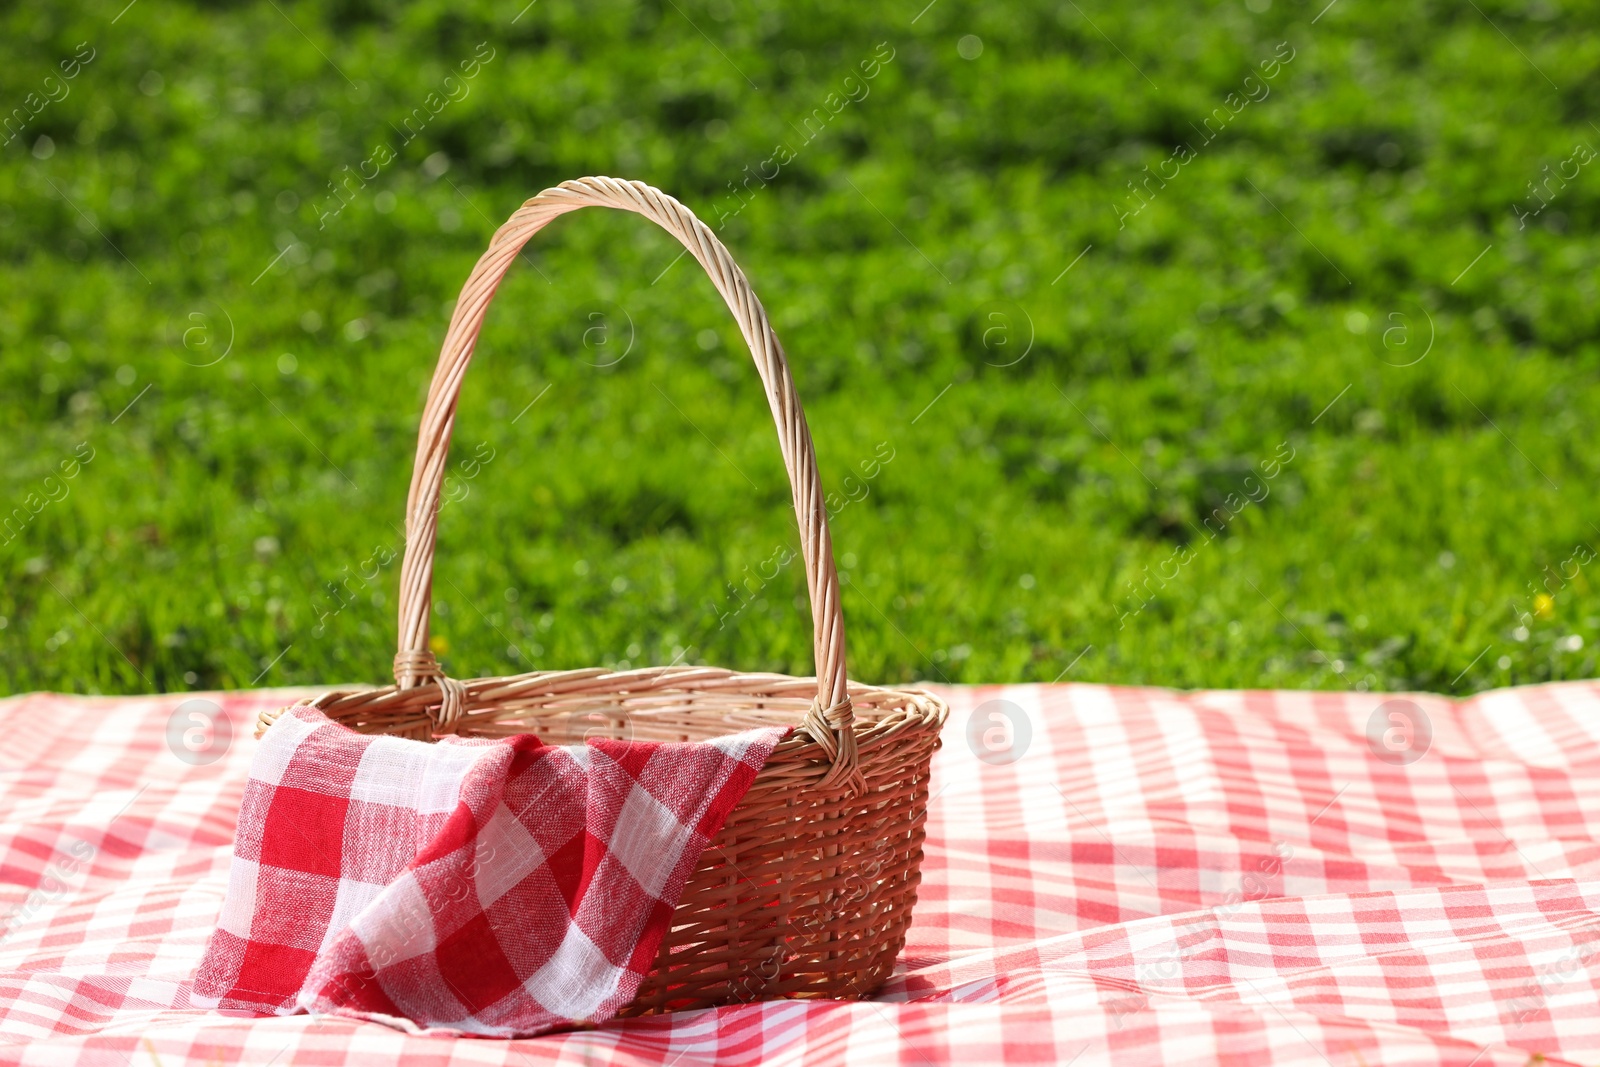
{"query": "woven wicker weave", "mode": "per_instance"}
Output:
(808, 889)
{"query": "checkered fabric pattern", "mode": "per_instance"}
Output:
(501, 888)
(1120, 876)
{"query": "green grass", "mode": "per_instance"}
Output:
(1241, 323)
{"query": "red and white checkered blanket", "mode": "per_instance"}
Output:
(1120, 875)
(494, 887)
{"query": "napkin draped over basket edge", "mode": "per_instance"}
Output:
(493, 887)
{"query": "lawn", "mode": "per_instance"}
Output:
(1245, 344)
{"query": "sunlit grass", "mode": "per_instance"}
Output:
(1320, 413)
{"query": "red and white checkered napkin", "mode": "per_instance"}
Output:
(494, 887)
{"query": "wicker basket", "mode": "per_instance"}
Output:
(808, 889)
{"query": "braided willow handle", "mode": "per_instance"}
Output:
(830, 720)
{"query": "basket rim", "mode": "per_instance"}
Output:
(405, 709)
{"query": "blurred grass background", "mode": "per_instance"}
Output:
(1311, 405)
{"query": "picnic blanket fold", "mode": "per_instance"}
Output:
(496, 887)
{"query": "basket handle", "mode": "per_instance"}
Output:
(830, 719)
